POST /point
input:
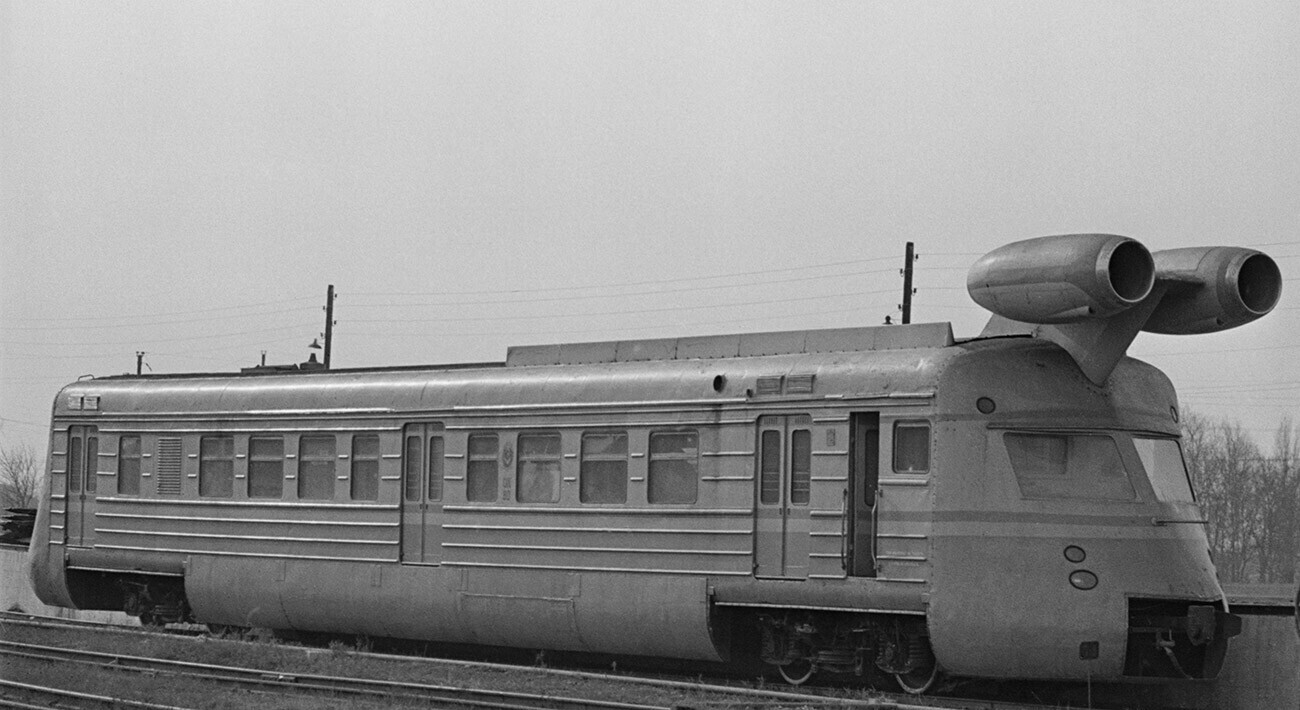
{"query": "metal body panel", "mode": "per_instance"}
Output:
(995, 550)
(608, 613)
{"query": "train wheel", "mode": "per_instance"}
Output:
(921, 679)
(797, 672)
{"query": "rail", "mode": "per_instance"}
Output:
(704, 695)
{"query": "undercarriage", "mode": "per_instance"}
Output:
(803, 643)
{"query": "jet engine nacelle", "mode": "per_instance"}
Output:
(1212, 289)
(1063, 279)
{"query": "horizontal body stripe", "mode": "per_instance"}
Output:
(599, 531)
(576, 568)
(193, 428)
(857, 609)
(249, 538)
(700, 512)
(257, 521)
(269, 503)
(620, 550)
(272, 555)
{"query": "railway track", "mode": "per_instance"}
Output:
(443, 695)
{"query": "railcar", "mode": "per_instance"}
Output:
(1013, 505)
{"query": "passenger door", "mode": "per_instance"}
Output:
(784, 472)
(864, 489)
(82, 469)
(423, 454)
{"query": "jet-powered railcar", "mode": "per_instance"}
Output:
(1009, 506)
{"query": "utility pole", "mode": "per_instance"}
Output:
(907, 287)
(329, 322)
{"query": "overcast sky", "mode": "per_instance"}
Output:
(185, 179)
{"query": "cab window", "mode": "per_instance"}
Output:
(1163, 461)
(912, 447)
(1060, 465)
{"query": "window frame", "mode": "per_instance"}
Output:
(895, 448)
(666, 457)
(370, 474)
(800, 478)
(216, 468)
(476, 469)
(308, 463)
(1071, 484)
(124, 474)
(587, 460)
(257, 460)
(534, 465)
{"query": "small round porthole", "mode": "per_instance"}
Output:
(1083, 579)
(985, 405)
(719, 382)
(1075, 554)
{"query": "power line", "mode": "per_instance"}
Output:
(141, 324)
(166, 313)
(586, 297)
(639, 311)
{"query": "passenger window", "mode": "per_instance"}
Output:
(75, 462)
(316, 467)
(674, 475)
(800, 466)
(266, 467)
(912, 447)
(92, 463)
(769, 483)
(1068, 466)
(481, 469)
(411, 478)
(128, 466)
(217, 466)
(365, 467)
(537, 476)
(437, 458)
(603, 474)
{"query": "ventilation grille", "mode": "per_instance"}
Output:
(769, 385)
(169, 467)
(799, 384)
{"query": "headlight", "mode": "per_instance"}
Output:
(1083, 579)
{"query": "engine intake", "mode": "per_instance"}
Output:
(1213, 289)
(1092, 293)
(1063, 279)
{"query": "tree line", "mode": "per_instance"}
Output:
(1249, 495)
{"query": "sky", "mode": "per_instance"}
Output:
(186, 179)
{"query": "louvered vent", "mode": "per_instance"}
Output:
(799, 384)
(169, 467)
(770, 384)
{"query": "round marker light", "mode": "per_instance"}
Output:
(1083, 579)
(1075, 554)
(985, 405)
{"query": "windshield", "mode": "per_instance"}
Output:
(1052, 465)
(1163, 460)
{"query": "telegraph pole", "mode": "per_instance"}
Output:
(907, 286)
(329, 323)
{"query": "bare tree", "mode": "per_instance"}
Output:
(1230, 478)
(20, 476)
(1280, 531)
